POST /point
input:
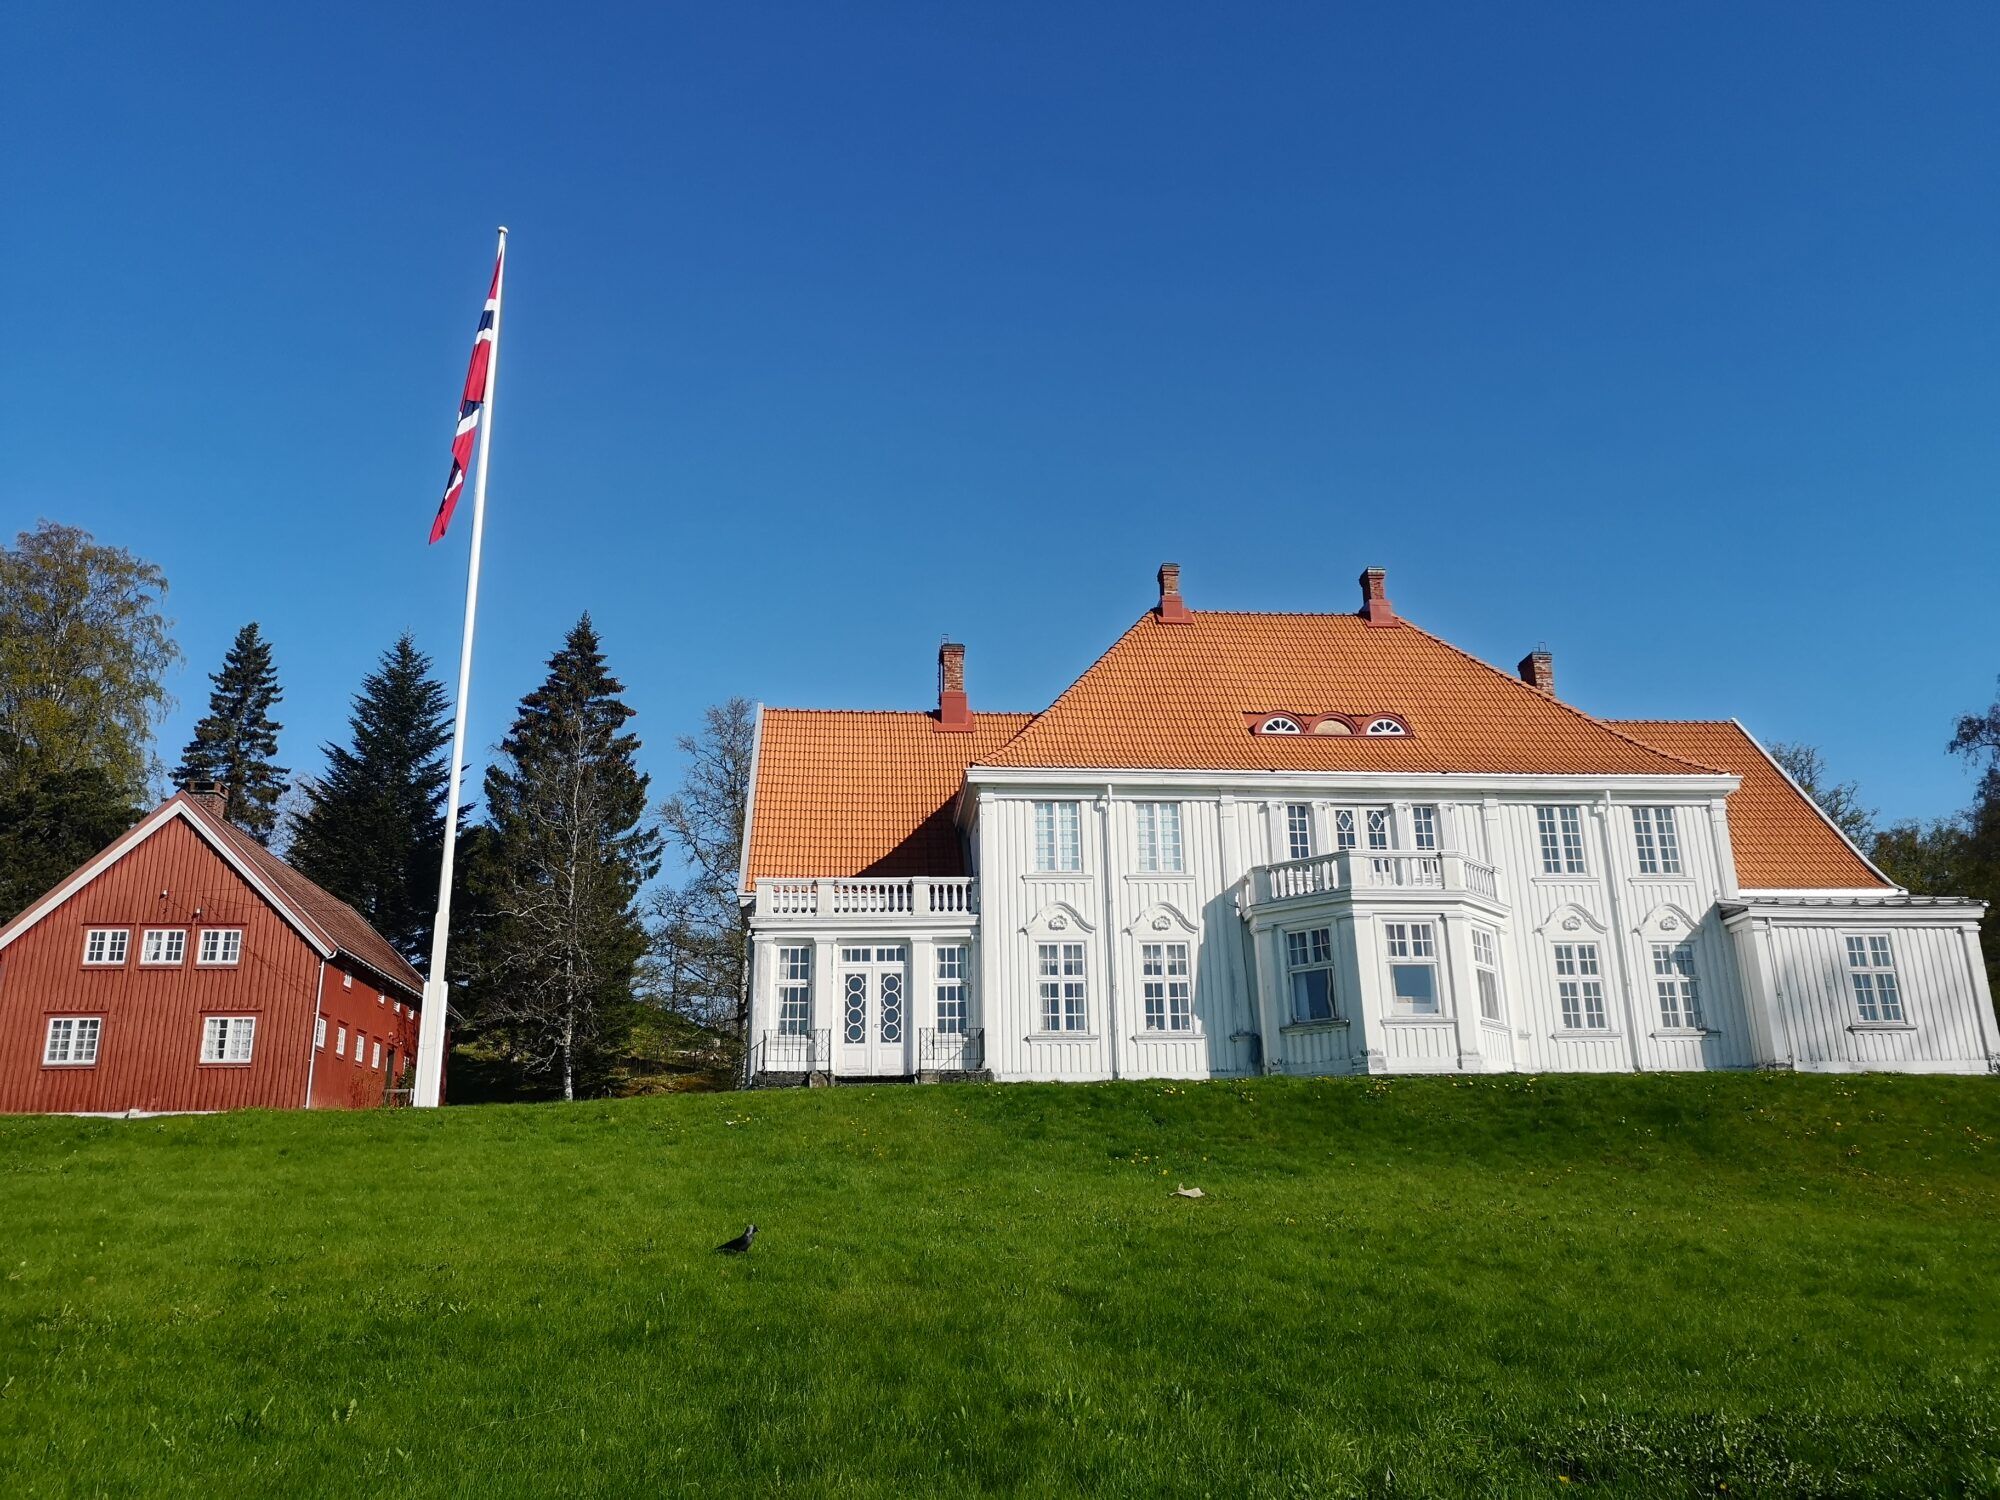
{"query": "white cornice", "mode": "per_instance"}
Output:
(1371, 783)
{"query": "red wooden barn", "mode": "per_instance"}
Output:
(189, 968)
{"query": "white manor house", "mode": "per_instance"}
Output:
(1319, 844)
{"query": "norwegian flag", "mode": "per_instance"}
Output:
(472, 405)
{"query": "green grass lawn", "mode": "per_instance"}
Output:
(1657, 1285)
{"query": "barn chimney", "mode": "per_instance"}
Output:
(210, 795)
(1538, 670)
(1375, 606)
(1173, 609)
(954, 712)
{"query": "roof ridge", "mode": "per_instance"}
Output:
(902, 713)
(1077, 681)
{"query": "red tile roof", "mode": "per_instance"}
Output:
(847, 793)
(1175, 697)
(1780, 840)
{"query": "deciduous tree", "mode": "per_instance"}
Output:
(1839, 800)
(698, 933)
(50, 825)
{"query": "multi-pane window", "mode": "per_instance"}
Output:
(1379, 824)
(1580, 987)
(1159, 837)
(1561, 831)
(1658, 839)
(795, 969)
(360, 1049)
(1871, 968)
(319, 1032)
(1309, 956)
(375, 1055)
(1299, 829)
(1344, 836)
(1412, 948)
(163, 945)
(1673, 982)
(340, 1042)
(1058, 836)
(952, 964)
(228, 1039)
(1060, 970)
(1424, 827)
(1167, 986)
(1486, 971)
(105, 945)
(220, 945)
(72, 1041)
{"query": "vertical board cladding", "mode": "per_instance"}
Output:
(1822, 1025)
(149, 1050)
(370, 1041)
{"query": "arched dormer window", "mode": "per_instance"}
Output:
(1280, 724)
(1387, 726)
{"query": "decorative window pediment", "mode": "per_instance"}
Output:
(1161, 917)
(1056, 919)
(1668, 921)
(1569, 919)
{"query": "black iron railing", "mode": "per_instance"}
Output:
(951, 1051)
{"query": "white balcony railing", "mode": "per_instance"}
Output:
(917, 896)
(1357, 870)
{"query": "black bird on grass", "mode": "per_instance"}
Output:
(741, 1244)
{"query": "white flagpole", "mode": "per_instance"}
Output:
(431, 1023)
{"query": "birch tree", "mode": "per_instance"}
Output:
(698, 933)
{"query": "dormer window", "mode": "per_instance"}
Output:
(1386, 725)
(1281, 724)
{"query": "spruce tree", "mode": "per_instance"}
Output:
(372, 831)
(557, 875)
(234, 742)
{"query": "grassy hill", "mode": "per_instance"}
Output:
(1737, 1284)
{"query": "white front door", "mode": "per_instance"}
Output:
(874, 1017)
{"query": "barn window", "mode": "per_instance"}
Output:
(375, 1059)
(105, 945)
(228, 1039)
(163, 945)
(1281, 724)
(340, 1042)
(360, 1049)
(319, 1032)
(1386, 726)
(220, 945)
(72, 1042)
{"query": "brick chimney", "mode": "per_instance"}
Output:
(954, 712)
(1538, 670)
(1173, 609)
(1375, 606)
(210, 795)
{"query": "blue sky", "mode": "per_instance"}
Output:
(1660, 333)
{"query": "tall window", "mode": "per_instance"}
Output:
(1167, 986)
(319, 1033)
(1561, 830)
(1424, 827)
(1673, 981)
(360, 1049)
(1658, 840)
(1058, 836)
(340, 1042)
(72, 1041)
(228, 1039)
(163, 945)
(951, 977)
(220, 945)
(1871, 968)
(105, 945)
(1412, 950)
(375, 1055)
(1299, 829)
(795, 969)
(1344, 836)
(1486, 969)
(1309, 956)
(1159, 837)
(1061, 973)
(1580, 987)
(1378, 827)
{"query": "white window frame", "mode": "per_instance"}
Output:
(1062, 988)
(1580, 989)
(1308, 951)
(1280, 724)
(1058, 837)
(1381, 823)
(114, 938)
(166, 936)
(1656, 839)
(1166, 987)
(954, 989)
(360, 1048)
(1675, 986)
(1384, 726)
(1424, 825)
(227, 954)
(1559, 830)
(1162, 850)
(1299, 830)
(228, 1041)
(340, 1041)
(319, 1033)
(1874, 983)
(72, 1041)
(1486, 974)
(375, 1060)
(1412, 946)
(1345, 835)
(793, 989)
